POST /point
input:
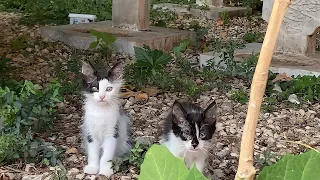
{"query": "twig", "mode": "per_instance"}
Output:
(15, 170)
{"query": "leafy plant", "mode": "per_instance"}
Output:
(162, 17)
(290, 167)
(160, 164)
(269, 103)
(266, 160)
(240, 96)
(307, 87)
(181, 48)
(104, 43)
(225, 17)
(24, 110)
(151, 61)
(253, 37)
(20, 43)
(134, 157)
(60, 173)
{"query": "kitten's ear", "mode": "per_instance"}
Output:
(210, 114)
(116, 72)
(179, 113)
(88, 72)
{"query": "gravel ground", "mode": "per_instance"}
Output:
(37, 63)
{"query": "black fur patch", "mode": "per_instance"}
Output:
(116, 131)
(89, 139)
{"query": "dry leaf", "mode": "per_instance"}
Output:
(72, 151)
(223, 34)
(127, 94)
(282, 77)
(4, 177)
(219, 22)
(143, 96)
(151, 91)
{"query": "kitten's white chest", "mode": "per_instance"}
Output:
(100, 121)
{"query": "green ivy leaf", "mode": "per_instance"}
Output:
(302, 167)
(161, 164)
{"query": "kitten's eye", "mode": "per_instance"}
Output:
(202, 135)
(95, 89)
(109, 89)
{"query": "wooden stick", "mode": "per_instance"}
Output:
(246, 170)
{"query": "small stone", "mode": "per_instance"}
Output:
(72, 139)
(125, 177)
(45, 51)
(218, 173)
(302, 112)
(73, 172)
(226, 107)
(146, 140)
(32, 177)
(80, 176)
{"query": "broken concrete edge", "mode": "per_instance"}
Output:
(254, 48)
(159, 38)
(213, 13)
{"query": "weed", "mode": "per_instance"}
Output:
(225, 17)
(269, 104)
(161, 17)
(240, 96)
(26, 109)
(20, 43)
(267, 158)
(151, 61)
(253, 37)
(60, 173)
(104, 43)
(134, 157)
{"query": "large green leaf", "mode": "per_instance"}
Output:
(302, 167)
(161, 164)
(195, 174)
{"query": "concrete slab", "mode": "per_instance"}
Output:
(212, 13)
(78, 36)
(291, 65)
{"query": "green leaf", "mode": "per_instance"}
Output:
(94, 44)
(195, 174)
(181, 48)
(302, 167)
(161, 164)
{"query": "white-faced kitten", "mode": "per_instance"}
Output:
(188, 132)
(106, 128)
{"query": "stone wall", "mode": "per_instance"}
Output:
(297, 34)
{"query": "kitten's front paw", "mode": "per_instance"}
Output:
(89, 169)
(106, 170)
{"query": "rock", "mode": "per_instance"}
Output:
(125, 177)
(218, 173)
(45, 51)
(145, 140)
(72, 139)
(32, 177)
(226, 107)
(73, 172)
(80, 176)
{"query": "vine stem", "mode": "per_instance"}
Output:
(246, 170)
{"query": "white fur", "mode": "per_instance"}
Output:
(184, 149)
(100, 120)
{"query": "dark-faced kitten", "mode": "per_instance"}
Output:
(106, 129)
(188, 132)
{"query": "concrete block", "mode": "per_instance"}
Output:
(79, 36)
(291, 65)
(131, 14)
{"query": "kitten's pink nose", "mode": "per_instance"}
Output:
(102, 97)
